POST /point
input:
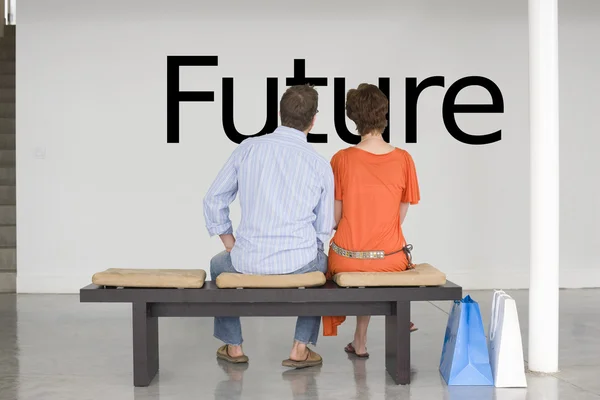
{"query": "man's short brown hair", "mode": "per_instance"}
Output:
(367, 106)
(298, 107)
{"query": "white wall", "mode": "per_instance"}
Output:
(579, 32)
(99, 187)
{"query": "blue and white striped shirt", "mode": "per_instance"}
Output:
(286, 196)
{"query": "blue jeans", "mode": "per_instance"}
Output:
(229, 329)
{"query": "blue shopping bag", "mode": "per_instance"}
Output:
(465, 357)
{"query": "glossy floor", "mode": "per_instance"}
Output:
(54, 348)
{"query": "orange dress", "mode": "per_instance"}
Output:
(371, 188)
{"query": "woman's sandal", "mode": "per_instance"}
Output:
(351, 350)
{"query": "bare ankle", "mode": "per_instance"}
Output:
(235, 351)
(299, 349)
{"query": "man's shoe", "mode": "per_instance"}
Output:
(223, 354)
(312, 360)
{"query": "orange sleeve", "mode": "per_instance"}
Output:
(411, 193)
(338, 167)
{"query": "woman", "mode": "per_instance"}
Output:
(374, 185)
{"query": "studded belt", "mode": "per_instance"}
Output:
(371, 255)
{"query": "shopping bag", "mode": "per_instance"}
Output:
(465, 359)
(505, 344)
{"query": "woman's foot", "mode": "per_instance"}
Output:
(359, 344)
(351, 350)
(413, 328)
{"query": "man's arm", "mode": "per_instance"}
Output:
(324, 211)
(218, 198)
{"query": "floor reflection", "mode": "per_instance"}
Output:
(232, 387)
(359, 366)
(303, 382)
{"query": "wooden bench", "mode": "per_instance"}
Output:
(149, 304)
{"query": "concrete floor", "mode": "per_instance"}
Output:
(52, 347)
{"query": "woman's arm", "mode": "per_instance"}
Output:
(403, 211)
(337, 212)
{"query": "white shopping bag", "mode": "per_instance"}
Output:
(505, 344)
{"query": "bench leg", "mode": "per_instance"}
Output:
(145, 345)
(397, 343)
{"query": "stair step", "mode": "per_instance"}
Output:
(8, 236)
(10, 30)
(7, 81)
(8, 40)
(8, 176)
(8, 216)
(8, 195)
(7, 125)
(7, 141)
(7, 54)
(8, 282)
(7, 158)
(8, 259)
(7, 67)
(7, 95)
(7, 110)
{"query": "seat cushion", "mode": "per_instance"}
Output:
(421, 275)
(233, 281)
(151, 278)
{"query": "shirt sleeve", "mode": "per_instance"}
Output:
(325, 220)
(221, 194)
(338, 167)
(411, 193)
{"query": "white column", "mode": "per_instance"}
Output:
(543, 86)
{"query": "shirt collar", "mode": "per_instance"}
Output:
(291, 132)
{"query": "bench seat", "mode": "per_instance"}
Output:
(236, 281)
(421, 275)
(150, 304)
(151, 278)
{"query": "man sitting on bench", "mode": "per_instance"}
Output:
(286, 195)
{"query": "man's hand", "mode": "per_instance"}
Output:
(228, 241)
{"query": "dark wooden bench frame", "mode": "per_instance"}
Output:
(150, 304)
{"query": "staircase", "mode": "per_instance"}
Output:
(8, 234)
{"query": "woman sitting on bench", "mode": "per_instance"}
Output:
(374, 185)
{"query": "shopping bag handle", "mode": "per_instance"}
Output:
(498, 295)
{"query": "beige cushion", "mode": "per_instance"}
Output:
(421, 275)
(154, 278)
(233, 281)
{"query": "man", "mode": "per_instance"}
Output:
(286, 195)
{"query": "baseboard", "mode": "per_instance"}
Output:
(588, 278)
(469, 280)
(51, 284)
(510, 279)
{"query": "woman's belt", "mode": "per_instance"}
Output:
(372, 255)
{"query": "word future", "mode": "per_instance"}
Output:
(413, 90)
